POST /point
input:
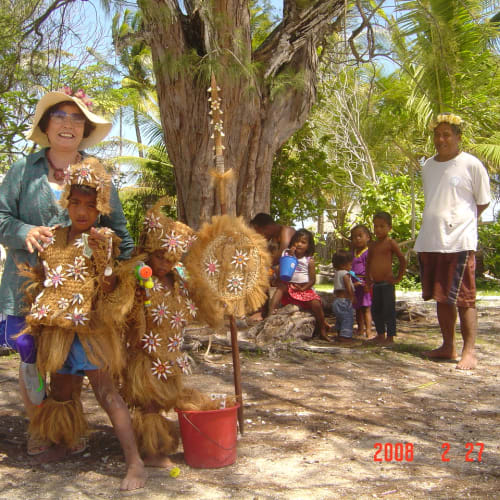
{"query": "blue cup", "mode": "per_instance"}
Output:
(288, 263)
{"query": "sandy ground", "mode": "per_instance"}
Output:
(312, 424)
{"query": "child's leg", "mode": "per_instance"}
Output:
(319, 314)
(118, 413)
(390, 311)
(378, 312)
(278, 295)
(360, 320)
(60, 419)
(156, 436)
(367, 318)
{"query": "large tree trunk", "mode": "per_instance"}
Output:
(266, 95)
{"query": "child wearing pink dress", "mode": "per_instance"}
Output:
(360, 239)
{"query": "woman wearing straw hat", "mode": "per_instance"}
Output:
(63, 125)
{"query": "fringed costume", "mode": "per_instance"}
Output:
(63, 314)
(154, 333)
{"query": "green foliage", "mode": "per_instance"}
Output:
(263, 19)
(135, 203)
(299, 180)
(392, 194)
(489, 243)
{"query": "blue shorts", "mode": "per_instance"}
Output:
(77, 361)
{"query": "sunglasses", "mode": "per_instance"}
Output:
(59, 116)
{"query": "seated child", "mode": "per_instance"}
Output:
(343, 295)
(154, 334)
(299, 290)
(73, 338)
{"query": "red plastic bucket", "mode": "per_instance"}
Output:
(209, 437)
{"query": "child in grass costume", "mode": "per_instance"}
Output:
(154, 332)
(72, 320)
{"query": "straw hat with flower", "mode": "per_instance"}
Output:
(101, 129)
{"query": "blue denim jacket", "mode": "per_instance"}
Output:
(27, 200)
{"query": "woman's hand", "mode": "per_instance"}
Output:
(37, 237)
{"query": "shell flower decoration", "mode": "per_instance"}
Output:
(235, 283)
(41, 311)
(159, 313)
(173, 242)
(55, 277)
(161, 233)
(446, 118)
(177, 320)
(162, 369)
(211, 266)
(89, 172)
(151, 222)
(183, 364)
(151, 341)
(78, 317)
(240, 259)
(77, 270)
(174, 343)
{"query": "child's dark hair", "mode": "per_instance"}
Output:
(363, 228)
(310, 237)
(341, 258)
(262, 220)
(384, 216)
(82, 188)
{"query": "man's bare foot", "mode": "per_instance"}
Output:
(389, 340)
(55, 453)
(468, 361)
(441, 353)
(158, 461)
(379, 339)
(135, 478)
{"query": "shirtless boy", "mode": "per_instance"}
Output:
(379, 275)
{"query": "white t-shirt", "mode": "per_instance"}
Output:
(452, 190)
(338, 279)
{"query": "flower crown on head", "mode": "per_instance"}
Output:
(89, 172)
(80, 94)
(446, 118)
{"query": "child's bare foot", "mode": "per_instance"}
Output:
(158, 461)
(441, 353)
(135, 478)
(468, 361)
(339, 338)
(379, 339)
(55, 453)
(255, 317)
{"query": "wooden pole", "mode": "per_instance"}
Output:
(216, 113)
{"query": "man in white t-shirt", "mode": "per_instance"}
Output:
(457, 190)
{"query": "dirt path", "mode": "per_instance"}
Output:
(312, 422)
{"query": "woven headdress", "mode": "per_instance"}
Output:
(89, 172)
(163, 233)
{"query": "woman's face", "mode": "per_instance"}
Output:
(65, 133)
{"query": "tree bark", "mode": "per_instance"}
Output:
(266, 94)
